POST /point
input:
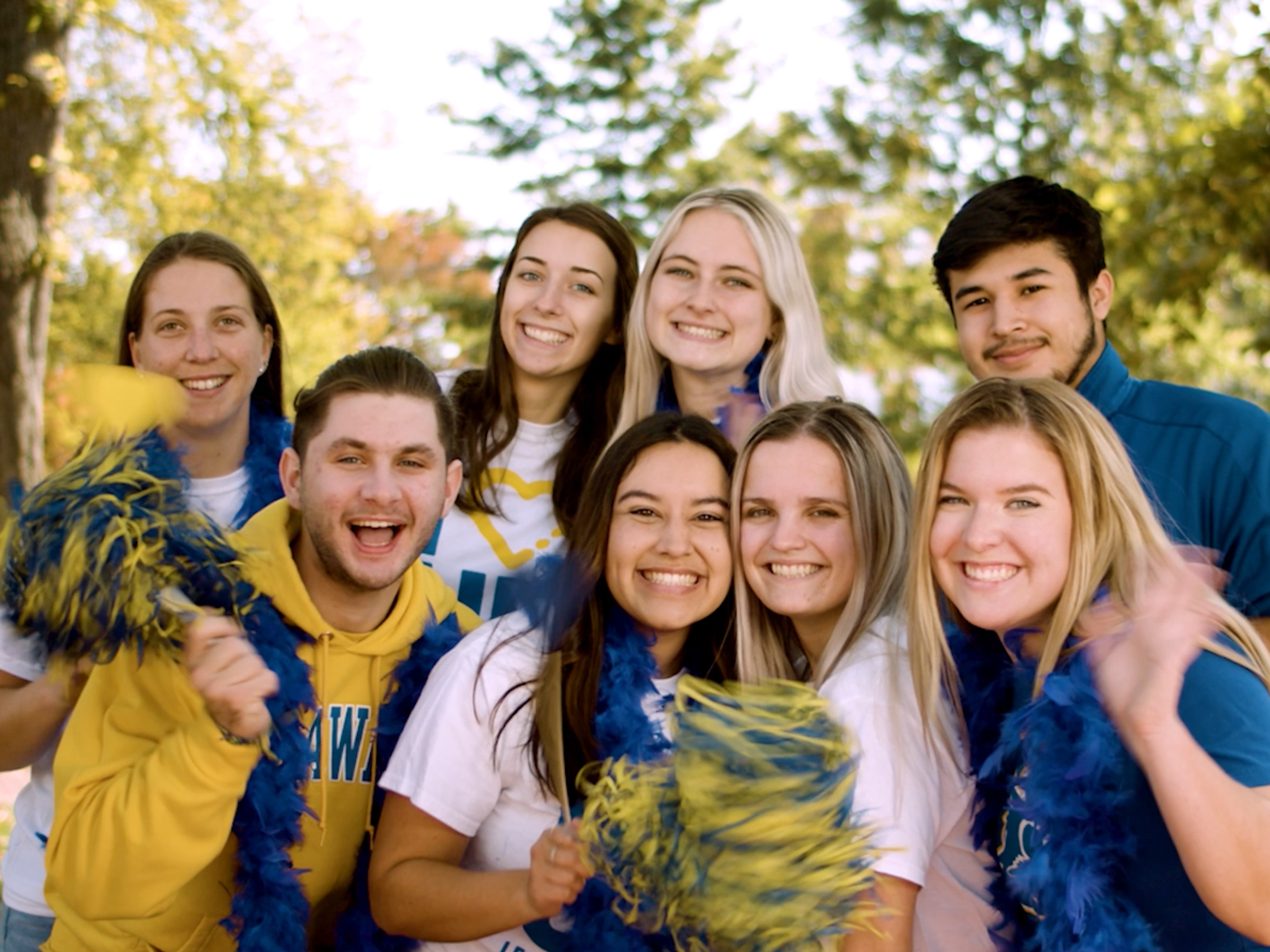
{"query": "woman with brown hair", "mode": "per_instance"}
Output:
(534, 420)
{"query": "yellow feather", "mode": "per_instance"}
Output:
(108, 402)
(742, 834)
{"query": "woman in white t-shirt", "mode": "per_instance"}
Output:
(198, 311)
(534, 420)
(820, 510)
(470, 853)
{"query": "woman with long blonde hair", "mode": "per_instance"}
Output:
(724, 322)
(1117, 708)
(820, 515)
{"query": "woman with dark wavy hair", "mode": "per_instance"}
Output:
(471, 853)
(534, 420)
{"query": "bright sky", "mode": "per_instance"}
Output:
(399, 55)
(409, 156)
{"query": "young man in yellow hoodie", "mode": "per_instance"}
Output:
(177, 827)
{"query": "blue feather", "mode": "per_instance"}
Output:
(356, 928)
(1073, 790)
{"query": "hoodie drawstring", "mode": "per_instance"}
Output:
(375, 697)
(324, 760)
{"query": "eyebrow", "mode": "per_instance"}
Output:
(1020, 276)
(218, 309)
(1005, 491)
(413, 449)
(573, 267)
(803, 500)
(723, 267)
(653, 497)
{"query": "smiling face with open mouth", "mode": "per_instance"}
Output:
(370, 489)
(708, 313)
(198, 327)
(796, 546)
(668, 562)
(1000, 543)
(558, 304)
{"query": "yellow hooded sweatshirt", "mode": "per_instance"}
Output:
(141, 855)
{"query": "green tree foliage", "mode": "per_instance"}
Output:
(1154, 109)
(177, 116)
(1146, 108)
(183, 118)
(418, 276)
(611, 103)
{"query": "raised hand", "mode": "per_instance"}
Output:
(229, 675)
(1139, 653)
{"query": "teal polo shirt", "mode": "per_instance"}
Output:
(1204, 459)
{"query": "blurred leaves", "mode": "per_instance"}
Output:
(1156, 110)
(179, 115)
(609, 105)
(181, 118)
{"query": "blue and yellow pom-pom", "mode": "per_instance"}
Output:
(88, 550)
(744, 837)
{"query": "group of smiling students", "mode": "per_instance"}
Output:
(1062, 730)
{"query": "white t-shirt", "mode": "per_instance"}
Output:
(447, 765)
(23, 863)
(916, 794)
(477, 553)
(219, 498)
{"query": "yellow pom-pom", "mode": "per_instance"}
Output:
(743, 838)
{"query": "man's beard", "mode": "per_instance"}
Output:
(1086, 349)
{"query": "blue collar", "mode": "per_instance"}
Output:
(668, 400)
(1108, 384)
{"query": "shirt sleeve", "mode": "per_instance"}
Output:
(1227, 710)
(897, 782)
(1239, 492)
(146, 790)
(445, 762)
(19, 656)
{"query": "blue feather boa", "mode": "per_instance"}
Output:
(1057, 762)
(552, 593)
(356, 928)
(622, 729)
(267, 437)
(269, 912)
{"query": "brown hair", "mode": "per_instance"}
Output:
(485, 400)
(208, 246)
(378, 370)
(708, 651)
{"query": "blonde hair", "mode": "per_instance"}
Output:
(1115, 535)
(798, 366)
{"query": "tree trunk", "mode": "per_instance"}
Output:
(32, 96)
